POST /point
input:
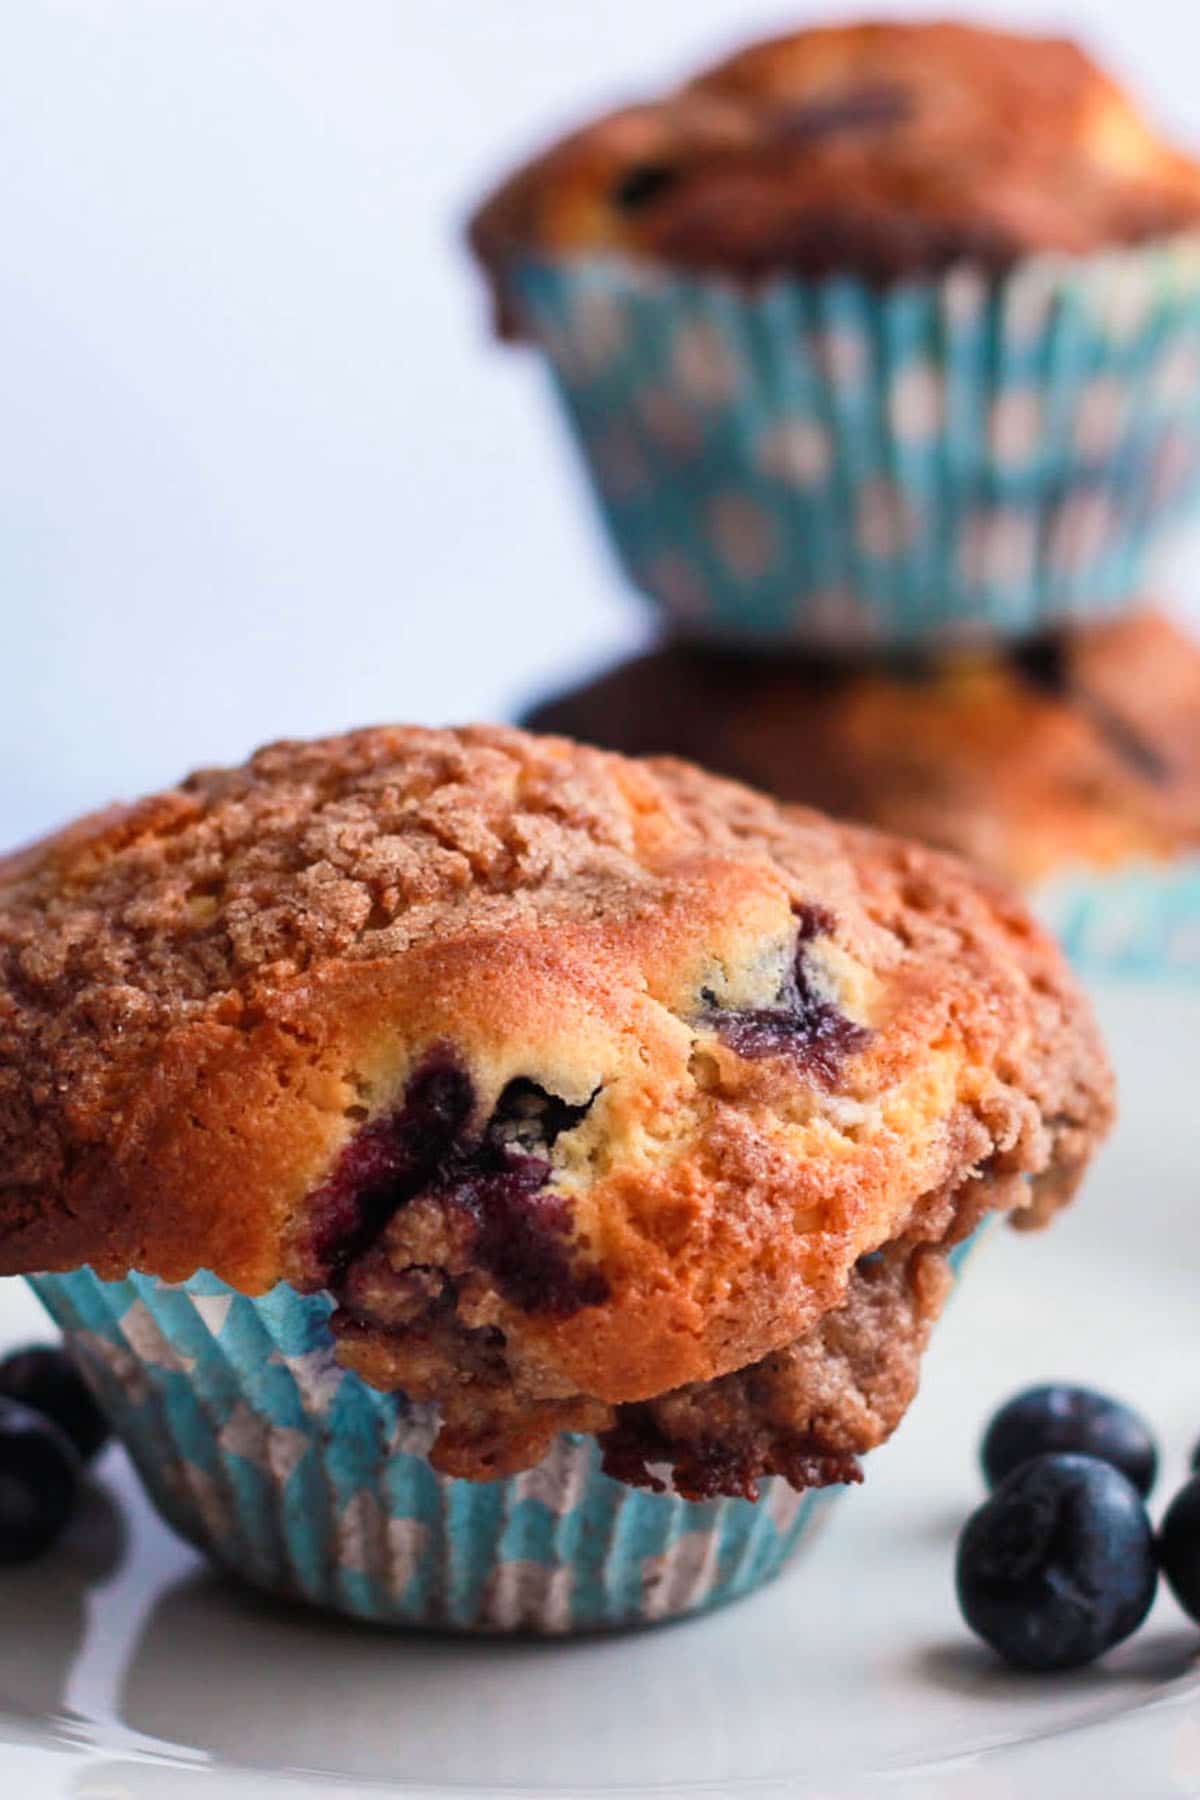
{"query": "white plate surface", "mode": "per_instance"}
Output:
(128, 1670)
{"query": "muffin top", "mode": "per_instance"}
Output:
(1078, 749)
(581, 1084)
(879, 149)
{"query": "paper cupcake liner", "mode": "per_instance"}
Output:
(823, 463)
(292, 1473)
(1139, 923)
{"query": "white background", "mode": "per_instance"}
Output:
(260, 469)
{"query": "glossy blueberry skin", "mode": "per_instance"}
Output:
(44, 1377)
(1179, 1547)
(39, 1482)
(1059, 1564)
(1076, 1419)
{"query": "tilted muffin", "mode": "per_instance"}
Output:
(868, 331)
(592, 1096)
(1068, 764)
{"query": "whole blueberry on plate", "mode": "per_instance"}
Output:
(1056, 1417)
(44, 1377)
(1179, 1547)
(1058, 1565)
(39, 1481)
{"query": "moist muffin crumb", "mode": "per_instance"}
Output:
(600, 1095)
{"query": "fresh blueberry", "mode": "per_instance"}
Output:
(1058, 1565)
(1057, 1417)
(39, 1482)
(1179, 1547)
(1196, 1459)
(44, 1377)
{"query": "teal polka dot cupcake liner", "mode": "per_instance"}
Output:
(293, 1474)
(820, 463)
(1139, 924)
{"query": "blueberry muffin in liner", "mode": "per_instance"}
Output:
(870, 333)
(493, 1183)
(1067, 765)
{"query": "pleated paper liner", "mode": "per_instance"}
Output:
(1140, 923)
(295, 1475)
(823, 463)
(292, 1473)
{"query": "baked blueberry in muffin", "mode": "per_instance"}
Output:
(602, 1096)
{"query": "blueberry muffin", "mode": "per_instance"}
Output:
(886, 150)
(584, 1096)
(868, 332)
(1076, 749)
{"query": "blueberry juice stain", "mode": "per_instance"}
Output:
(803, 1024)
(497, 1178)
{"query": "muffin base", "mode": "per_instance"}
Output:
(293, 1474)
(823, 463)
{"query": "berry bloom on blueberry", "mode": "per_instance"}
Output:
(1058, 1565)
(1056, 1417)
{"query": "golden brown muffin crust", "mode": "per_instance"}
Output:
(577, 1081)
(1080, 749)
(885, 149)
